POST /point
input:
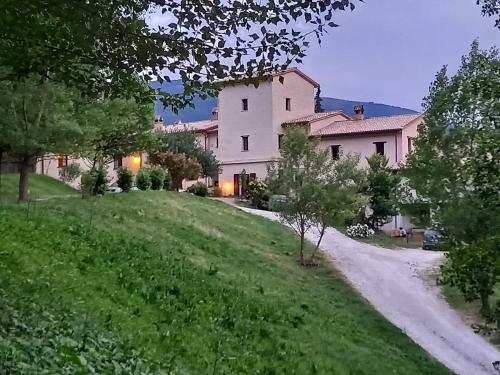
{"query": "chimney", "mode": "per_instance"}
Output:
(215, 114)
(359, 112)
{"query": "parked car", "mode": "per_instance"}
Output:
(433, 239)
(114, 189)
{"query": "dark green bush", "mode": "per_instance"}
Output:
(157, 178)
(94, 182)
(200, 189)
(143, 179)
(167, 182)
(125, 179)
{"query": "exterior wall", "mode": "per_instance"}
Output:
(410, 131)
(229, 170)
(365, 147)
(301, 94)
(256, 123)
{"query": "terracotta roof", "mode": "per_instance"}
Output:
(248, 79)
(315, 117)
(371, 125)
(198, 126)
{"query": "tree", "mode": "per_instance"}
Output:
(382, 189)
(339, 199)
(303, 170)
(455, 167)
(475, 270)
(37, 117)
(185, 142)
(100, 45)
(178, 165)
(490, 8)
(317, 101)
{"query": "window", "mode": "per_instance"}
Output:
(335, 152)
(244, 141)
(244, 104)
(288, 104)
(117, 162)
(62, 161)
(379, 147)
(410, 144)
(217, 142)
(280, 140)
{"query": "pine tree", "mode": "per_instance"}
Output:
(317, 101)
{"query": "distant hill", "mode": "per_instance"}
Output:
(203, 108)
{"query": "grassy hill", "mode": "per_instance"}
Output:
(40, 187)
(148, 280)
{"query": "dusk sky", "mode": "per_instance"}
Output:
(388, 51)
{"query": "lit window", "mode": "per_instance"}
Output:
(379, 147)
(335, 152)
(244, 104)
(244, 140)
(288, 104)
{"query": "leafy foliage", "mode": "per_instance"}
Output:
(125, 179)
(178, 165)
(157, 176)
(317, 101)
(200, 189)
(491, 8)
(143, 179)
(94, 182)
(475, 270)
(70, 172)
(255, 192)
(383, 191)
(185, 142)
(99, 46)
(359, 231)
(167, 181)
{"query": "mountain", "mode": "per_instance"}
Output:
(203, 108)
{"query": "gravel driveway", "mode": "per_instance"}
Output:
(398, 283)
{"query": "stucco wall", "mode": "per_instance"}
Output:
(365, 147)
(229, 170)
(410, 131)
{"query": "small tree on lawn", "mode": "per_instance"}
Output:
(178, 165)
(303, 171)
(339, 199)
(383, 191)
(37, 117)
(475, 270)
(317, 101)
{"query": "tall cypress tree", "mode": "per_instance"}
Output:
(317, 101)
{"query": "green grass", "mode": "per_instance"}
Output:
(40, 187)
(159, 279)
(384, 240)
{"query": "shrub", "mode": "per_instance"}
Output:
(360, 231)
(94, 182)
(255, 192)
(125, 178)
(70, 173)
(167, 182)
(275, 201)
(157, 178)
(200, 189)
(216, 192)
(143, 179)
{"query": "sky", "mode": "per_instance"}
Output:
(388, 51)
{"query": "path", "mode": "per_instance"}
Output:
(399, 285)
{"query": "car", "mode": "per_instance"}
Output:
(114, 189)
(433, 239)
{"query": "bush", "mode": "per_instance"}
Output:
(360, 231)
(167, 182)
(200, 189)
(143, 179)
(275, 201)
(70, 173)
(157, 178)
(125, 179)
(215, 192)
(94, 182)
(255, 192)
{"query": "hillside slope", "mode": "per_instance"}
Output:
(203, 108)
(166, 280)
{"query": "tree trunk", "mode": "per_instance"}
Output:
(485, 304)
(302, 247)
(321, 234)
(24, 167)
